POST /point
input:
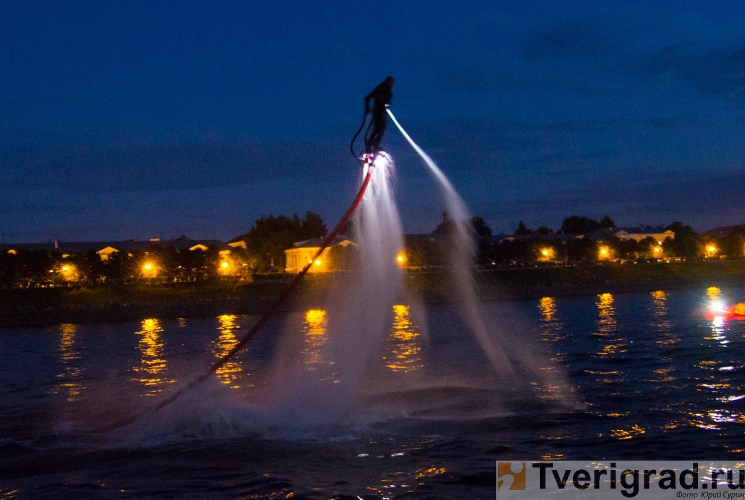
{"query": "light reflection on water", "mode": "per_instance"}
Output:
(718, 324)
(151, 371)
(718, 331)
(315, 338)
(606, 326)
(551, 326)
(661, 326)
(551, 331)
(69, 382)
(547, 306)
(714, 378)
(660, 320)
(714, 418)
(405, 342)
(230, 371)
(606, 330)
(630, 433)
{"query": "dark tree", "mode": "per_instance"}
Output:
(243, 261)
(480, 227)
(9, 269)
(522, 229)
(582, 250)
(35, 265)
(686, 243)
(544, 230)
(343, 257)
(119, 267)
(646, 247)
(731, 245)
(607, 222)
(312, 227)
(514, 251)
(624, 249)
(579, 225)
(93, 267)
(426, 252)
(191, 265)
(738, 231)
(167, 260)
(444, 227)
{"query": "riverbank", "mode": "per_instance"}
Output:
(42, 306)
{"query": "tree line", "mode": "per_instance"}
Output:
(33, 268)
(581, 239)
(265, 244)
(578, 240)
(269, 237)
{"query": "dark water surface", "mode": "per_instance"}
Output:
(623, 376)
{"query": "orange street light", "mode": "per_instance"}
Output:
(149, 269)
(69, 272)
(225, 267)
(546, 254)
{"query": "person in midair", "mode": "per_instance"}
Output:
(381, 98)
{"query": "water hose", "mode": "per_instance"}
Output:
(351, 144)
(262, 321)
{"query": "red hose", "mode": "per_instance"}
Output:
(262, 321)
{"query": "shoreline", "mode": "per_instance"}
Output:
(249, 300)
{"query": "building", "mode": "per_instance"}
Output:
(659, 234)
(303, 252)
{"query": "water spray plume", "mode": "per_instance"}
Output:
(359, 312)
(462, 242)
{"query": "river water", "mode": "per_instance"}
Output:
(611, 376)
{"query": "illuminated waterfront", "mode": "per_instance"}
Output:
(640, 375)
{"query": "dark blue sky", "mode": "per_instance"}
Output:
(134, 119)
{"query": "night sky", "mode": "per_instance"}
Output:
(139, 119)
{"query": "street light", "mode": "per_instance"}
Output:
(547, 254)
(69, 272)
(225, 267)
(149, 270)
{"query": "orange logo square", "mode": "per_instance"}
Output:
(506, 476)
